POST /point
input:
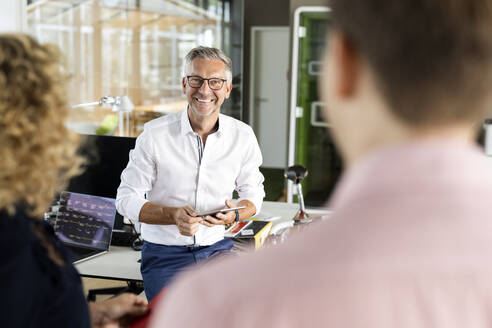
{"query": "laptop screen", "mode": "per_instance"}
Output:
(85, 220)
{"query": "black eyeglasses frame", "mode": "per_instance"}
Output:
(202, 80)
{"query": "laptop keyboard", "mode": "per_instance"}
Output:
(84, 223)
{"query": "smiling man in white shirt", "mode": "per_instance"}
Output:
(188, 162)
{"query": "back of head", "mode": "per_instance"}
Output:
(208, 53)
(37, 151)
(432, 59)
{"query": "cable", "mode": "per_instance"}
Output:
(138, 241)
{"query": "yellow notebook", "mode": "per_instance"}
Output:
(257, 231)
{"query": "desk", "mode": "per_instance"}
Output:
(120, 263)
(286, 211)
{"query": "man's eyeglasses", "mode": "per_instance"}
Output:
(197, 82)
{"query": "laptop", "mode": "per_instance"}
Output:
(84, 223)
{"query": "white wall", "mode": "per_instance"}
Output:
(269, 92)
(13, 15)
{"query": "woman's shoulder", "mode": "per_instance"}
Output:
(19, 273)
(15, 232)
(24, 248)
(28, 240)
(33, 284)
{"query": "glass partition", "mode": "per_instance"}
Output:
(310, 142)
(134, 48)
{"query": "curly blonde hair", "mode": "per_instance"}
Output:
(38, 154)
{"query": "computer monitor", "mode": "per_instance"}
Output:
(107, 157)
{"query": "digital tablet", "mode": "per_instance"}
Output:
(220, 210)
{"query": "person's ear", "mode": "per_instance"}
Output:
(183, 84)
(228, 90)
(346, 65)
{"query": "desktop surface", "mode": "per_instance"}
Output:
(121, 263)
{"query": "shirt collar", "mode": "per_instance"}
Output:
(186, 128)
(185, 123)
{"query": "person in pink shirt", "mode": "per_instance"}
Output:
(409, 244)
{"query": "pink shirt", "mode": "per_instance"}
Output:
(409, 245)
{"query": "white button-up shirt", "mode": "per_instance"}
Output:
(169, 167)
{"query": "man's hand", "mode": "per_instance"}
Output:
(186, 220)
(221, 218)
(118, 311)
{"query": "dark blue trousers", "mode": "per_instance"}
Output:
(160, 263)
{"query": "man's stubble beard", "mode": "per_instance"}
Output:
(197, 113)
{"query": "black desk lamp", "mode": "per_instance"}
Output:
(296, 174)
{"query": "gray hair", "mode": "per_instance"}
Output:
(208, 53)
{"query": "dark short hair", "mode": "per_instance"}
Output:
(208, 53)
(432, 59)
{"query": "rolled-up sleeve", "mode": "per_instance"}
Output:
(249, 183)
(137, 178)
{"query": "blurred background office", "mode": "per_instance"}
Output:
(135, 48)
